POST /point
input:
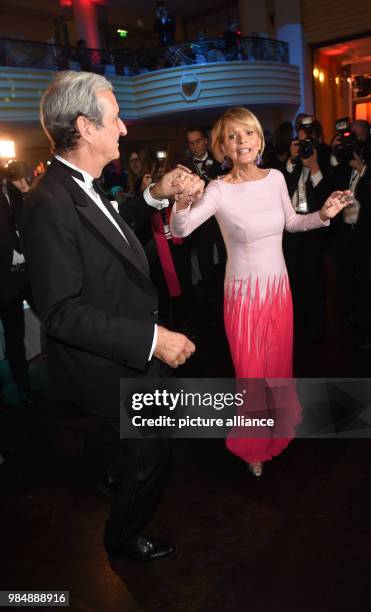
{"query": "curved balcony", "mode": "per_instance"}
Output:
(201, 75)
(17, 53)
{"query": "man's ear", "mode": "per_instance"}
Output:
(85, 128)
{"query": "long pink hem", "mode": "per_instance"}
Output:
(260, 335)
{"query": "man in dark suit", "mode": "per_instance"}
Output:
(306, 178)
(208, 234)
(352, 232)
(14, 285)
(92, 292)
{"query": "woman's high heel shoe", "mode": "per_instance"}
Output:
(256, 468)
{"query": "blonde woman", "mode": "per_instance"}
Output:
(252, 207)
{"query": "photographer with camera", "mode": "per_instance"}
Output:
(306, 174)
(352, 170)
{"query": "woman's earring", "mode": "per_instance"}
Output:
(259, 159)
(226, 158)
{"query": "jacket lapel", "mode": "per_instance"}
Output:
(95, 217)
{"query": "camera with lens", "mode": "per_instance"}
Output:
(14, 171)
(307, 144)
(347, 143)
(160, 165)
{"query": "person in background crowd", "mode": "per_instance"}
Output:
(306, 175)
(282, 140)
(170, 261)
(352, 170)
(362, 131)
(165, 25)
(134, 172)
(232, 42)
(207, 235)
(82, 55)
(14, 285)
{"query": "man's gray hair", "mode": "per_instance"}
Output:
(70, 95)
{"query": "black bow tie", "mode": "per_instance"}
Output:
(200, 161)
(95, 183)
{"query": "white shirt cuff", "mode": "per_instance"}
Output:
(316, 178)
(154, 342)
(289, 166)
(159, 204)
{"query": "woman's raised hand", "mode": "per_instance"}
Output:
(335, 203)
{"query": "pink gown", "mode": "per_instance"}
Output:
(257, 298)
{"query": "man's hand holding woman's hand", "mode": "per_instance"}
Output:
(178, 181)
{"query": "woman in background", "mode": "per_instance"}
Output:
(134, 172)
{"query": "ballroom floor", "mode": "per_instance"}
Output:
(298, 539)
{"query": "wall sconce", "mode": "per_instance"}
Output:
(316, 73)
(337, 80)
(321, 77)
(7, 150)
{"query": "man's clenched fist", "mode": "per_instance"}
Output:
(172, 348)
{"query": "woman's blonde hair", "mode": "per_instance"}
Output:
(238, 114)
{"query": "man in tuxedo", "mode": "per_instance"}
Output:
(14, 285)
(92, 292)
(308, 186)
(204, 237)
(352, 230)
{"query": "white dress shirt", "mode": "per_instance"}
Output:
(315, 178)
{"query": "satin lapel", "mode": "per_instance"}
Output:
(91, 212)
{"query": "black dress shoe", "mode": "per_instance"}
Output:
(145, 549)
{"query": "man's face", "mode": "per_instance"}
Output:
(197, 144)
(106, 137)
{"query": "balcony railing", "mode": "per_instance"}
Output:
(27, 54)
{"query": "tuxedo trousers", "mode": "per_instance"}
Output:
(142, 471)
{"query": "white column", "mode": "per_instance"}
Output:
(289, 29)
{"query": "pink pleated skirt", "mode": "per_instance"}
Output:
(260, 336)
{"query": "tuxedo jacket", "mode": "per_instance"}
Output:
(92, 293)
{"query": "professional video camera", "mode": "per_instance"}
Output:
(347, 141)
(307, 144)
